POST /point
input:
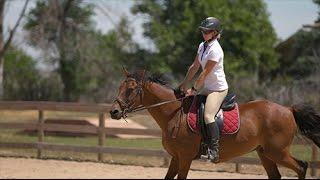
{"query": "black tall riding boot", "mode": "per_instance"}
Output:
(213, 142)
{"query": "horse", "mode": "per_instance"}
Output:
(266, 127)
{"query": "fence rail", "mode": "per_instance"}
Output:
(54, 106)
(79, 128)
(101, 130)
(86, 149)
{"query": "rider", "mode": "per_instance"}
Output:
(212, 79)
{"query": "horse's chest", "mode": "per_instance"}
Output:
(176, 146)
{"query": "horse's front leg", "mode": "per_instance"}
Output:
(173, 168)
(184, 166)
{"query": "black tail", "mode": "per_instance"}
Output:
(308, 122)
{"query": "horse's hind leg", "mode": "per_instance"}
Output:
(304, 165)
(173, 168)
(284, 158)
(269, 165)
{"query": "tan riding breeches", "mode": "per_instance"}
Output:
(213, 103)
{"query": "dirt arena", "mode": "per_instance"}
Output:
(12, 168)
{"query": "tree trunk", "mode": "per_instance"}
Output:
(66, 69)
(2, 4)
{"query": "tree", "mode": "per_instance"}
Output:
(59, 27)
(106, 54)
(296, 80)
(300, 53)
(4, 45)
(247, 39)
(20, 75)
(23, 81)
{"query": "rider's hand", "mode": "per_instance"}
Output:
(183, 87)
(191, 92)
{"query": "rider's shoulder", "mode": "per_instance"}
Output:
(201, 44)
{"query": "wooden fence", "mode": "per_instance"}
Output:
(100, 109)
(100, 149)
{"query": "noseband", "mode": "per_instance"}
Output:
(129, 107)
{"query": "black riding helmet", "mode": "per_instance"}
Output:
(210, 24)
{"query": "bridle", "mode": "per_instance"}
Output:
(128, 107)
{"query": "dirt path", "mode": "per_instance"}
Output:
(33, 168)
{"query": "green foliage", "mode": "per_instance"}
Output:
(18, 63)
(22, 81)
(300, 54)
(102, 59)
(307, 47)
(247, 38)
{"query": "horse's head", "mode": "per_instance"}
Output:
(129, 96)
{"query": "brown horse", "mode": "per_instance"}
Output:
(266, 127)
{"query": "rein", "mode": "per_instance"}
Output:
(128, 108)
(140, 108)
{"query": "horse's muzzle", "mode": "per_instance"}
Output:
(115, 114)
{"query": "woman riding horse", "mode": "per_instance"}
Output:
(266, 127)
(210, 57)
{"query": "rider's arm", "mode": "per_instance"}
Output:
(207, 69)
(193, 69)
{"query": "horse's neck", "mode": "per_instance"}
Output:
(155, 93)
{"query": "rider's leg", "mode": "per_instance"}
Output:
(213, 103)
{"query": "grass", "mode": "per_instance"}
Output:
(302, 152)
(9, 135)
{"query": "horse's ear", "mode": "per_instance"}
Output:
(142, 74)
(126, 73)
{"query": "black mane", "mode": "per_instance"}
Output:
(156, 77)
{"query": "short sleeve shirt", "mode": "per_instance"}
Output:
(212, 51)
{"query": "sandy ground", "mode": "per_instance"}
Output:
(35, 169)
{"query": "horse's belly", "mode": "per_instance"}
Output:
(233, 146)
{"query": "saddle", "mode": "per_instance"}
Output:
(227, 117)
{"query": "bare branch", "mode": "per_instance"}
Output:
(62, 19)
(67, 7)
(7, 43)
(104, 12)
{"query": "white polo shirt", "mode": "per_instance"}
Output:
(216, 79)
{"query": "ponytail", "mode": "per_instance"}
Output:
(218, 36)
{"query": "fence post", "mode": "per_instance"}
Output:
(238, 166)
(166, 161)
(102, 134)
(314, 157)
(40, 133)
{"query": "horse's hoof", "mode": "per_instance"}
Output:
(305, 167)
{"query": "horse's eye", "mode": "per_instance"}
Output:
(128, 92)
(131, 85)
